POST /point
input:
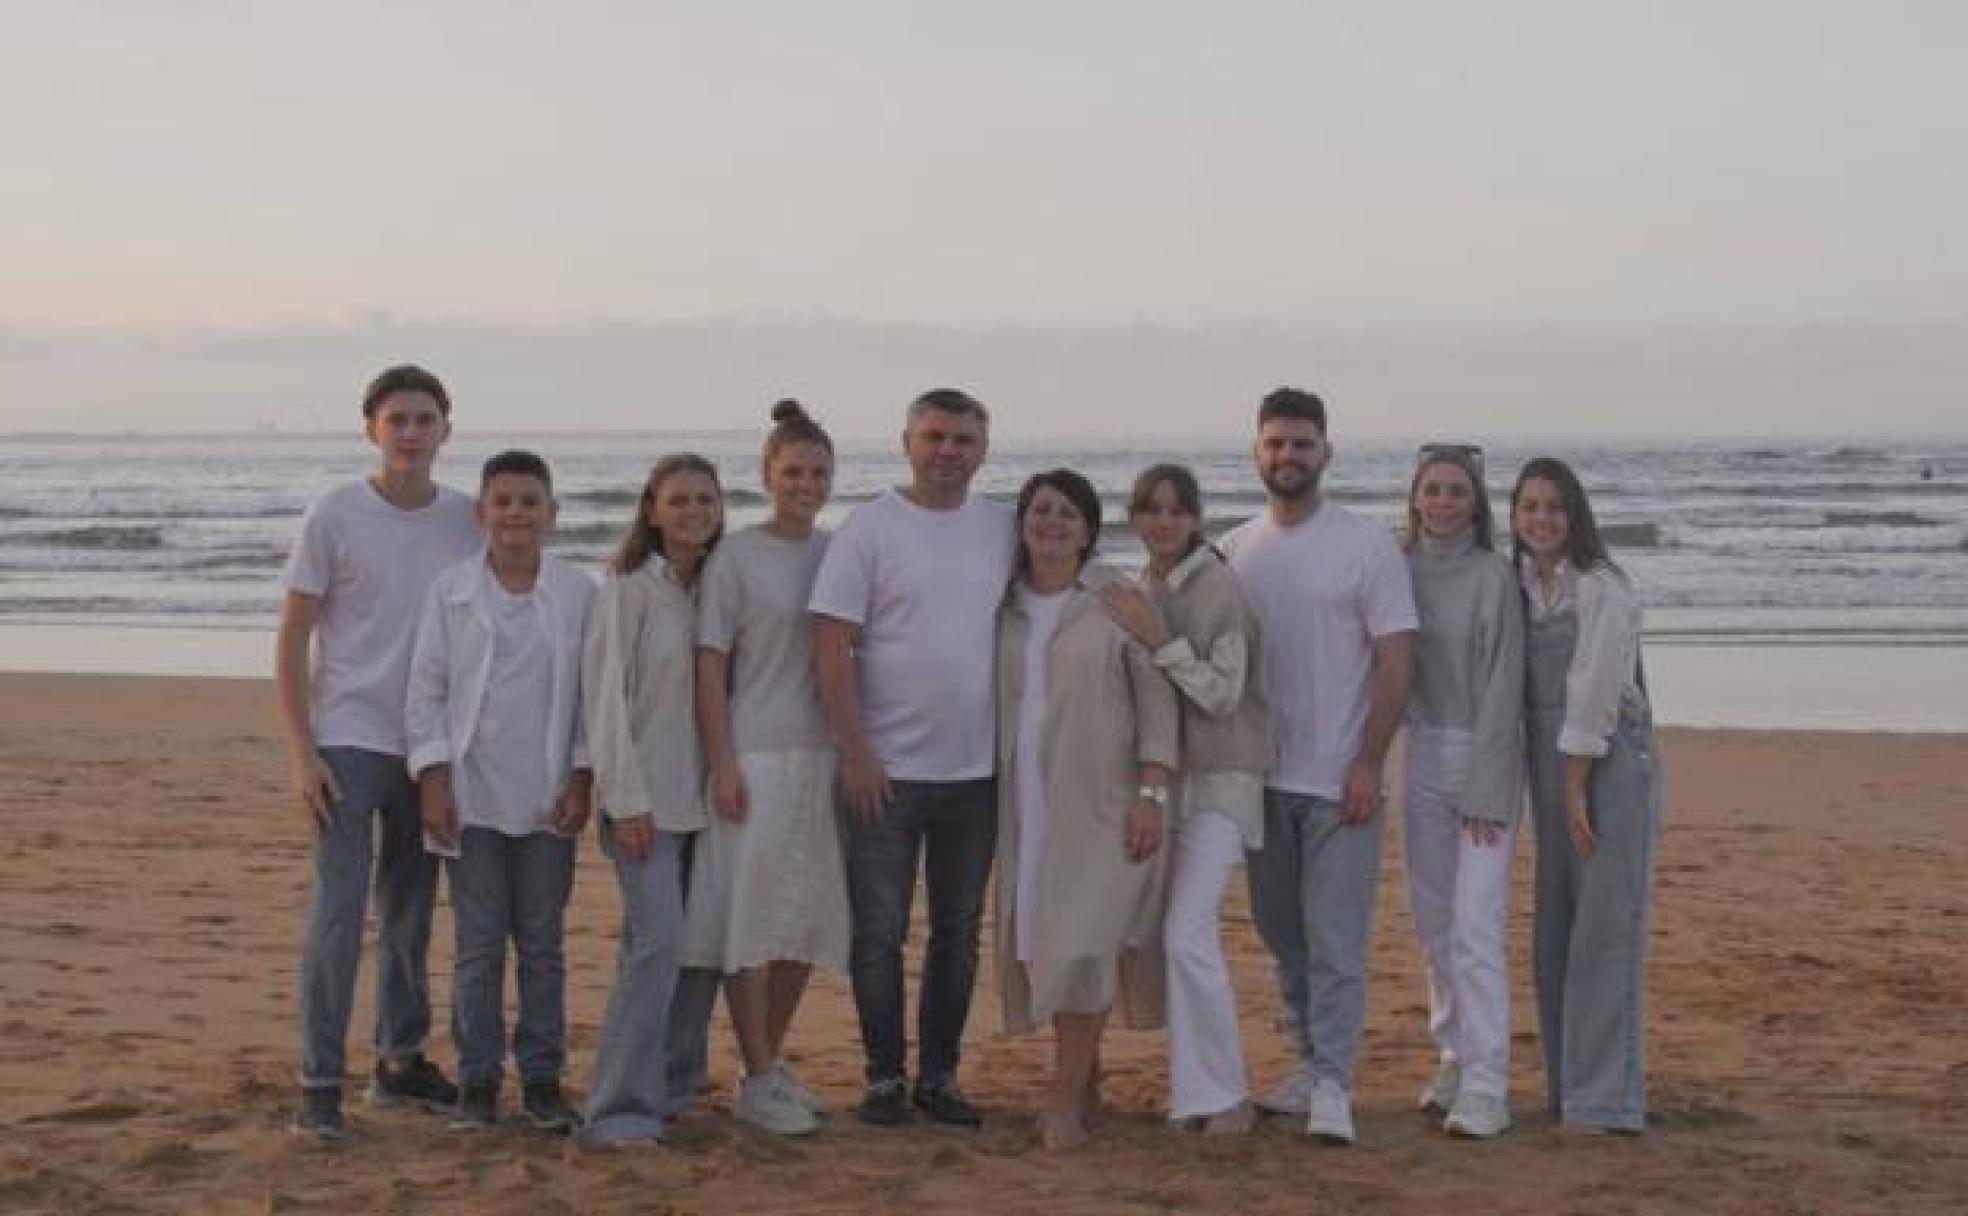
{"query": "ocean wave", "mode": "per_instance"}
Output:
(734, 497)
(128, 538)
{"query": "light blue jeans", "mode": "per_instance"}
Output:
(649, 1059)
(1312, 895)
(373, 829)
(510, 888)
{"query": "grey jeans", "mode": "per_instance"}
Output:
(1589, 940)
(640, 1060)
(372, 830)
(1312, 895)
(510, 888)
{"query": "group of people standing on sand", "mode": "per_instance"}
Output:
(778, 729)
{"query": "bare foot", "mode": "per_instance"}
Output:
(1062, 1129)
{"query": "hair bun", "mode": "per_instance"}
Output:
(788, 410)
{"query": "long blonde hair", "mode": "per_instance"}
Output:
(644, 537)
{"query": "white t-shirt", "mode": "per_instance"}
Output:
(1027, 771)
(924, 586)
(371, 564)
(502, 780)
(1323, 590)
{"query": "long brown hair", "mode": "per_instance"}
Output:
(645, 538)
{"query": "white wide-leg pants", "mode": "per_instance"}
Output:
(1206, 1056)
(1460, 895)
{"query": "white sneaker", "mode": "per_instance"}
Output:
(1291, 1096)
(1478, 1116)
(1439, 1095)
(798, 1089)
(1331, 1115)
(766, 1103)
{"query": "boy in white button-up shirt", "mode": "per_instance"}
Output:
(495, 745)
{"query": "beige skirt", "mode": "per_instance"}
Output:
(772, 887)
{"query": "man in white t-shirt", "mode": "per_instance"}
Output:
(356, 583)
(905, 611)
(1337, 607)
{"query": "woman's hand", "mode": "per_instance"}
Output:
(1141, 830)
(634, 837)
(1578, 821)
(1483, 833)
(1133, 610)
(1578, 815)
(728, 791)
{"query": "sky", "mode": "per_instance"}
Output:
(218, 214)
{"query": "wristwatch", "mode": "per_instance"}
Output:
(1157, 794)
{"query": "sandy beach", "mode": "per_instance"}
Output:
(1808, 1024)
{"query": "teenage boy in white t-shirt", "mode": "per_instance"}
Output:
(495, 745)
(1333, 594)
(356, 581)
(905, 618)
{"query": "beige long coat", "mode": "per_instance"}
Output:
(1107, 711)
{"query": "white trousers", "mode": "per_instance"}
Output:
(1206, 1056)
(1459, 892)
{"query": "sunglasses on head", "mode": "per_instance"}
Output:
(1470, 452)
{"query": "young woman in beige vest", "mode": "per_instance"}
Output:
(1189, 612)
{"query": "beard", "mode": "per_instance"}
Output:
(1294, 486)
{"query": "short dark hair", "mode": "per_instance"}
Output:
(950, 401)
(1077, 490)
(404, 378)
(516, 460)
(1288, 402)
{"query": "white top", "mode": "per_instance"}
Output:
(1323, 589)
(371, 564)
(1027, 767)
(638, 690)
(924, 586)
(752, 605)
(502, 781)
(1605, 666)
(494, 691)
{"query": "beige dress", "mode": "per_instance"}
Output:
(1096, 916)
(773, 886)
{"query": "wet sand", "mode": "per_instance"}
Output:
(1808, 1027)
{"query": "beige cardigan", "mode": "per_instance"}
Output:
(1107, 711)
(638, 668)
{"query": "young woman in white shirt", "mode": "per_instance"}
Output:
(638, 707)
(1596, 787)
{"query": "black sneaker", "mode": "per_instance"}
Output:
(477, 1107)
(943, 1102)
(884, 1103)
(547, 1108)
(415, 1080)
(320, 1113)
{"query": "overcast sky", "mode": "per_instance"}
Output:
(1441, 173)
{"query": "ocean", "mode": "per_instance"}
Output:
(1852, 554)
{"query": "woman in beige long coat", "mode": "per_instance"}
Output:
(1088, 732)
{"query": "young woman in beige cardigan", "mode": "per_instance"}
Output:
(1087, 738)
(1189, 612)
